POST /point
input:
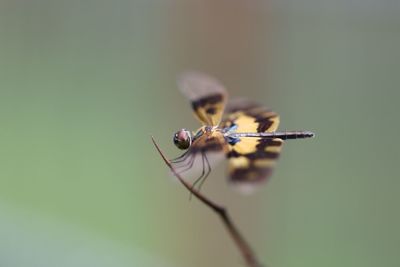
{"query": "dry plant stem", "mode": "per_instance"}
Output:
(247, 253)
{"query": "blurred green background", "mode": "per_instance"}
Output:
(83, 85)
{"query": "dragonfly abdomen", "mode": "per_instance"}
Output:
(282, 135)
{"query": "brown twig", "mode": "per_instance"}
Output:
(247, 253)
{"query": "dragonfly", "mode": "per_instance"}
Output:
(240, 130)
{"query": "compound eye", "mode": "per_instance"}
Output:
(182, 139)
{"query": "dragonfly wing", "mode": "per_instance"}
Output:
(251, 160)
(206, 94)
(250, 167)
(250, 116)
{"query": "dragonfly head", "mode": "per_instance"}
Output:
(183, 139)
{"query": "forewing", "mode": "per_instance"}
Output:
(251, 160)
(206, 94)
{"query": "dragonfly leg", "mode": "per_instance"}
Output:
(203, 156)
(208, 173)
(187, 166)
(180, 158)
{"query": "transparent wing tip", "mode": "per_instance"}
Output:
(245, 188)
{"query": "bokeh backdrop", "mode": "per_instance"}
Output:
(83, 85)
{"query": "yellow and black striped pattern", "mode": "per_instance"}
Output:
(255, 165)
(209, 109)
(252, 159)
(206, 94)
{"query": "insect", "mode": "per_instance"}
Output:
(243, 131)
